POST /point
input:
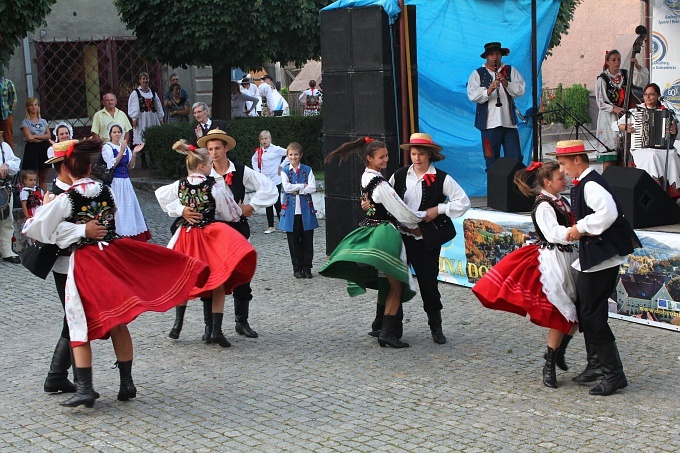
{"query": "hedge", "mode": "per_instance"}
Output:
(166, 163)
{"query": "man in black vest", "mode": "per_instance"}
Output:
(493, 88)
(605, 241)
(205, 123)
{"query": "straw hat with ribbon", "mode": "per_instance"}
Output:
(61, 150)
(424, 141)
(570, 148)
(217, 134)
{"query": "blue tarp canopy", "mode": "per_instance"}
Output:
(450, 37)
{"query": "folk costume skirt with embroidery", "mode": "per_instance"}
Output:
(113, 285)
(364, 257)
(229, 255)
(525, 283)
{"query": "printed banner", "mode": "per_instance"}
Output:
(665, 46)
(648, 289)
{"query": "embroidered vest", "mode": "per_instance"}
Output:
(617, 240)
(198, 197)
(101, 207)
(615, 94)
(309, 221)
(481, 114)
(34, 199)
(564, 218)
(376, 214)
(146, 105)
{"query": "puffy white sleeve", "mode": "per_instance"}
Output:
(107, 154)
(49, 226)
(133, 105)
(475, 92)
(517, 85)
(225, 207)
(12, 161)
(601, 96)
(266, 192)
(169, 201)
(159, 107)
(385, 195)
(458, 202)
(551, 229)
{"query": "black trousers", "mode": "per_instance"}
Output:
(426, 264)
(60, 283)
(277, 206)
(592, 303)
(301, 245)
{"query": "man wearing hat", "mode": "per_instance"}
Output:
(249, 88)
(605, 241)
(493, 88)
(426, 188)
(9, 166)
(275, 102)
(237, 179)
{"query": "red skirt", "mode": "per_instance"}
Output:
(230, 257)
(514, 285)
(127, 278)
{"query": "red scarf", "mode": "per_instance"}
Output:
(260, 152)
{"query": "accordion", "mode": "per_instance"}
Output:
(651, 129)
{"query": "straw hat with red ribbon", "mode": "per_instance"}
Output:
(424, 142)
(61, 150)
(570, 148)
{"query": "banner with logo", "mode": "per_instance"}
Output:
(648, 291)
(666, 51)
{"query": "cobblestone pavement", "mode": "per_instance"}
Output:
(314, 381)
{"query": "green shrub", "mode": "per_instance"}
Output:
(166, 163)
(576, 97)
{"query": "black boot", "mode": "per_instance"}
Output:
(434, 320)
(57, 377)
(85, 394)
(376, 325)
(549, 377)
(217, 336)
(613, 378)
(207, 318)
(241, 308)
(399, 324)
(559, 360)
(387, 333)
(593, 370)
(127, 386)
(179, 322)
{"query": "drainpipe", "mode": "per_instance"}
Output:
(28, 67)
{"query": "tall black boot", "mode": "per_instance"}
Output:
(127, 386)
(85, 394)
(57, 377)
(376, 325)
(593, 370)
(217, 336)
(434, 320)
(387, 334)
(179, 322)
(613, 377)
(559, 360)
(207, 318)
(241, 308)
(399, 323)
(549, 377)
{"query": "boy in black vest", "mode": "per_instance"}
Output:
(605, 241)
(493, 88)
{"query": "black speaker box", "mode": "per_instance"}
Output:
(644, 203)
(335, 42)
(342, 216)
(501, 193)
(337, 110)
(370, 39)
(374, 104)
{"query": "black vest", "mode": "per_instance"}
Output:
(616, 96)
(376, 213)
(617, 240)
(563, 218)
(482, 110)
(142, 101)
(100, 207)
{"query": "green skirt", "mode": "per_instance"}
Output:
(364, 257)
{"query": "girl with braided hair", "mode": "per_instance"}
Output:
(107, 281)
(229, 255)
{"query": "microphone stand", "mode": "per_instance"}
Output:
(539, 117)
(580, 125)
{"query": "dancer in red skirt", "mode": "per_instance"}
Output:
(538, 279)
(108, 277)
(229, 255)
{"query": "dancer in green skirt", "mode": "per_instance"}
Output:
(373, 255)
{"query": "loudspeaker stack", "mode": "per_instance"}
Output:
(501, 192)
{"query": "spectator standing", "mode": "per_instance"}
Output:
(174, 79)
(239, 101)
(275, 102)
(249, 88)
(9, 166)
(145, 109)
(110, 114)
(201, 113)
(177, 107)
(267, 160)
(37, 135)
(312, 99)
(8, 101)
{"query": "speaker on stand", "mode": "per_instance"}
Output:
(501, 192)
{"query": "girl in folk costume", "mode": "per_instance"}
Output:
(229, 255)
(538, 279)
(298, 216)
(62, 132)
(610, 93)
(120, 159)
(31, 195)
(108, 277)
(373, 255)
(312, 99)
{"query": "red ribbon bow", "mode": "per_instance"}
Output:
(191, 147)
(429, 178)
(534, 165)
(228, 177)
(69, 151)
(575, 182)
(368, 139)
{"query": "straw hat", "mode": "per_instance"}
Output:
(60, 151)
(424, 141)
(570, 148)
(217, 134)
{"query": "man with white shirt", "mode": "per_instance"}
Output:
(145, 109)
(249, 88)
(493, 88)
(204, 124)
(605, 241)
(9, 166)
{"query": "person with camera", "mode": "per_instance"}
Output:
(9, 167)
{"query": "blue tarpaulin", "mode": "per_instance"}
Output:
(450, 37)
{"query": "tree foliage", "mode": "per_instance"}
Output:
(564, 17)
(224, 34)
(17, 18)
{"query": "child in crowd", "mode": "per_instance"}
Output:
(298, 216)
(229, 255)
(31, 195)
(267, 160)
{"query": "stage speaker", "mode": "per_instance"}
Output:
(374, 105)
(370, 39)
(342, 216)
(501, 193)
(643, 202)
(335, 46)
(337, 103)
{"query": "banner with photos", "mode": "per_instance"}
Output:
(665, 48)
